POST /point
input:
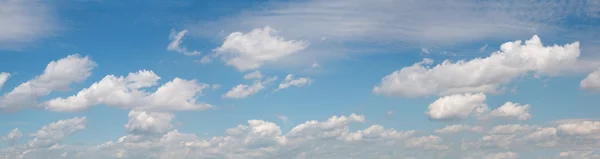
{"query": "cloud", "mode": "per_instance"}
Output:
(290, 81)
(503, 155)
(425, 50)
(461, 106)
(151, 135)
(482, 49)
(149, 123)
(253, 75)
(3, 78)
(445, 23)
(584, 128)
(481, 74)
(13, 135)
(242, 90)
(127, 92)
(453, 129)
(53, 133)
(591, 82)
(25, 21)
(458, 106)
(248, 51)
(57, 76)
(175, 44)
(510, 110)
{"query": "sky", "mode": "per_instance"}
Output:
(305, 79)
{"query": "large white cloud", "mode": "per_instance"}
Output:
(247, 51)
(25, 21)
(485, 75)
(591, 82)
(58, 75)
(127, 92)
(3, 78)
(175, 44)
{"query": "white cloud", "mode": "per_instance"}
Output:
(149, 123)
(503, 155)
(453, 129)
(53, 133)
(485, 75)
(25, 21)
(510, 110)
(253, 75)
(461, 106)
(458, 106)
(315, 65)
(584, 128)
(290, 81)
(511, 129)
(425, 50)
(3, 78)
(446, 22)
(577, 154)
(591, 82)
(126, 92)
(426, 142)
(482, 49)
(58, 75)
(13, 135)
(175, 44)
(242, 90)
(248, 51)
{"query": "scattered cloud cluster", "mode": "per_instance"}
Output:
(152, 135)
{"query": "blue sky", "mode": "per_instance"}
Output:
(299, 79)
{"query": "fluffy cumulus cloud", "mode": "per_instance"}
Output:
(510, 110)
(3, 78)
(127, 92)
(487, 74)
(461, 106)
(247, 51)
(175, 44)
(291, 81)
(149, 123)
(57, 76)
(591, 82)
(25, 21)
(243, 90)
(458, 106)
